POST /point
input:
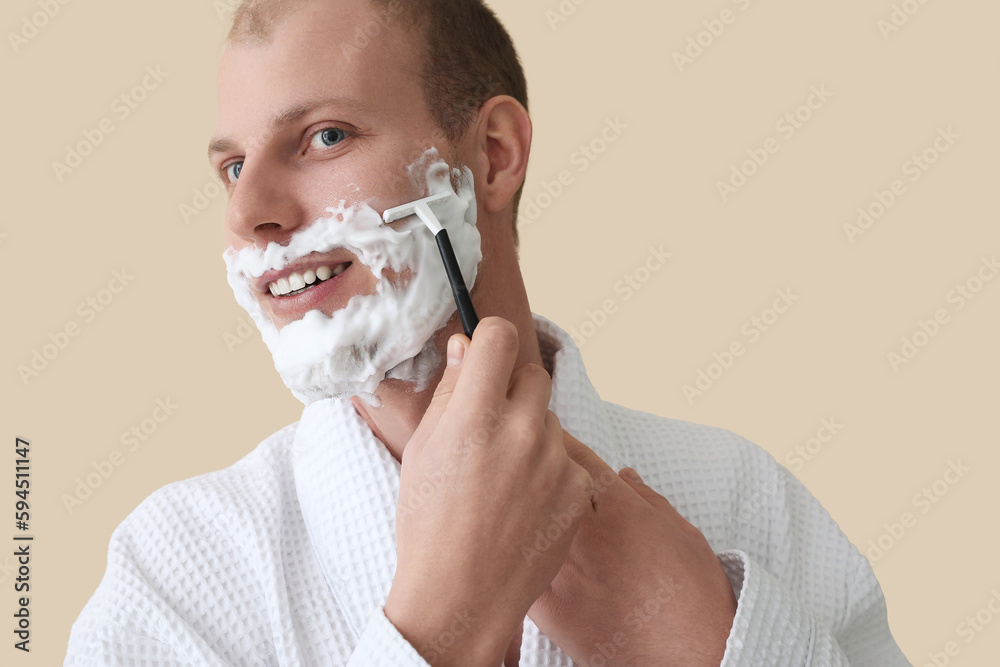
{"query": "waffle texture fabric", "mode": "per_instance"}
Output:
(287, 556)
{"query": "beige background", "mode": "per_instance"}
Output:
(164, 336)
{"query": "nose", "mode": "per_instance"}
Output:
(263, 207)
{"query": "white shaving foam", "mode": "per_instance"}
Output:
(375, 336)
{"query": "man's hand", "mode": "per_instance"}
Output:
(641, 585)
(483, 475)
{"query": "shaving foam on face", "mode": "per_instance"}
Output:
(375, 336)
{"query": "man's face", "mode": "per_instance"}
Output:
(308, 120)
(320, 130)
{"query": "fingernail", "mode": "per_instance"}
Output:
(456, 351)
(632, 475)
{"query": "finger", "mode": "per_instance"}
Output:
(557, 438)
(634, 480)
(604, 476)
(588, 458)
(530, 389)
(488, 363)
(457, 346)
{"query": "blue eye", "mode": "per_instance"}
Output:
(233, 171)
(327, 137)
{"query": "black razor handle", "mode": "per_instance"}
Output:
(465, 310)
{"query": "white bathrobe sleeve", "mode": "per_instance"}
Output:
(773, 627)
(382, 645)
(805, 594)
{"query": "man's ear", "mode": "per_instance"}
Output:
(503, 142)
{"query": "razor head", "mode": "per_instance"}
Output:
(415, 208)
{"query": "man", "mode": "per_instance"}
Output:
(466, 512)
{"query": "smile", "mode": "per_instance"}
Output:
(297, 283)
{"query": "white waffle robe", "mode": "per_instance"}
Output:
(287, 556)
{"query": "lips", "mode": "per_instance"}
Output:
(313, 282)
(323, 295)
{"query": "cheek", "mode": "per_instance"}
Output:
(393, 189)
(316, 191)
(321, 192)
(397, 179)
(398, 278)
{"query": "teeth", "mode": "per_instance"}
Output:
(298, 281)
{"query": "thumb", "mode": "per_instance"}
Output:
(457, 346)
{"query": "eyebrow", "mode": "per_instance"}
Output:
(292, 114)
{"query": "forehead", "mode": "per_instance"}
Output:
(345, 49)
